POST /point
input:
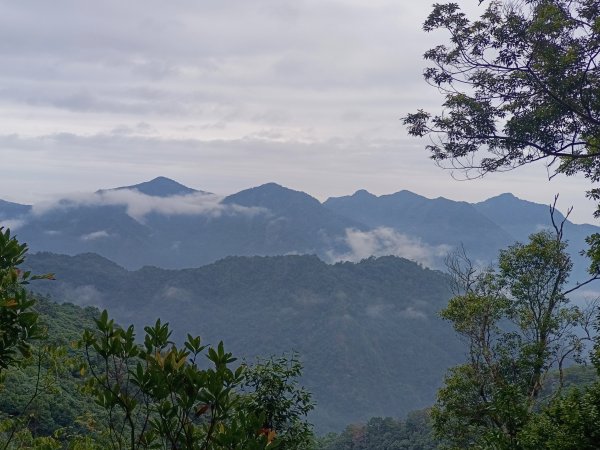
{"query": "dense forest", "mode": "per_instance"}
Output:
(355, 325)
(64, 410)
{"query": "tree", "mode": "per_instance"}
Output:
(571, 420)
(521, 84)
(19, 327)
(157, 394)
(18, 322)
(413, 433)
(274, 394)
(518, 325)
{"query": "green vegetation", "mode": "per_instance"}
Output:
(356, 326)
(55, 369)
(520, 84)
(157, 395)
(276, 396)
(378, 433)
(518, 326)
(149, 395)
(18, 323)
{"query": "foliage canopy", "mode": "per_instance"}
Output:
(518, 326)
(154, 394)
(521, 84)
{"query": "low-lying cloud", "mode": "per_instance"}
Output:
(384, 241)
(85, 295)
(139, 205)
(95, 235)
(12, 224)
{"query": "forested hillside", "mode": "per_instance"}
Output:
(355, 325)
(59, 403)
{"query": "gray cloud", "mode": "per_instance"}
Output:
(47, 166)
(234, 93)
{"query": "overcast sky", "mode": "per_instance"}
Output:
(223, 95)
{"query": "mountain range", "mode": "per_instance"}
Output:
(166, 224)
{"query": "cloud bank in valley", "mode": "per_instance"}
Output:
(139, 205)
(385, 241)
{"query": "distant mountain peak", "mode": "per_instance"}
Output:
(270, 194)
(504, 196)
(363, 193)
(272, 186)
(406, 192)
(158, 187)
(507, 199)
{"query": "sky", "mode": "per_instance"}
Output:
(223, 95)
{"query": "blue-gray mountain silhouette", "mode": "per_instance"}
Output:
(274, 220)
(159, 187)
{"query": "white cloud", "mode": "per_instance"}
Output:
(176, 294)
(12, 224)
(86, 295)
(95, 235)
(384, 241)
(412, 313)
(378, 311)
(138, 205)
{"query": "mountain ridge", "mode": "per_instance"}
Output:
(181, 230)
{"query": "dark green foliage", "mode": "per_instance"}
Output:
(32, 368)
(378, 433)
(55, 368)
(18, 322)
(61, 409)
(569, 422)
(276, 396)
(356, 325)
(521, 83)
(154, 394)
(571, 419)
(157, 394)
